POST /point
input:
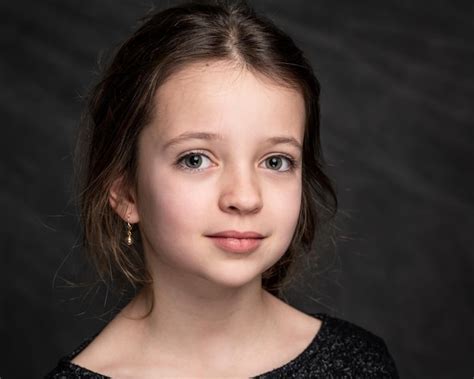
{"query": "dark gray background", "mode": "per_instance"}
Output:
(397, 98)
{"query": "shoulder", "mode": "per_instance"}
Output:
(347, 349)
(66, 369)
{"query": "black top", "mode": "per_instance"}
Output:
(340, 349)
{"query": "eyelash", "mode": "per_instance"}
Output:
(291, 162)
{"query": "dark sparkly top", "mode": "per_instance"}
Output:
(340, 349)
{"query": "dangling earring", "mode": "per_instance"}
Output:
(129, 239)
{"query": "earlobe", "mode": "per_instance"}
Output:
(122, 201)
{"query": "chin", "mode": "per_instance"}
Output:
(233, 278)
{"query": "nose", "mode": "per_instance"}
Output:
(240, 192)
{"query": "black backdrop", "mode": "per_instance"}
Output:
(397, 110)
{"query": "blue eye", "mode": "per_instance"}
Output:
(193, 160)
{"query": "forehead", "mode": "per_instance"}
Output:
(223, 95)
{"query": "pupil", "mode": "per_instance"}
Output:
(273, 161)
(195, 159)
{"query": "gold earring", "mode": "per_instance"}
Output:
(129, 239)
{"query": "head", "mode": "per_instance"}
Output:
(218, 69)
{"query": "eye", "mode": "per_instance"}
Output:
(192, 161)
(275, 161)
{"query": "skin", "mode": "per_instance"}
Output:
(209, 304)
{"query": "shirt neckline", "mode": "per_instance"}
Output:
(313, 346)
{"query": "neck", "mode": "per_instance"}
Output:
(194, 317)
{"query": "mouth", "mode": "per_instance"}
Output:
(237, 242)
(237, 234)
(237, 245)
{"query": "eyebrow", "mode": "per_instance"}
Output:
(277, 140)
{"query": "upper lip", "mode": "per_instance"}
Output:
(236, 234)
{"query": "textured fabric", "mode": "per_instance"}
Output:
(340, 349)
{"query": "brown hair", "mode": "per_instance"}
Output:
(120, 105)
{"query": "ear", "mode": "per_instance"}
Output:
(123, 201)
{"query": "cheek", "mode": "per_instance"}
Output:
(285, 204)
(286, 210)
(171, 208)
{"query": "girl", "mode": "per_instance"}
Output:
(203, 183)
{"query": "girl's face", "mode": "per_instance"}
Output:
(238, 178)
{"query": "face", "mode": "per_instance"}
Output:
(240, 178)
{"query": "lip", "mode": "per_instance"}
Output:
(236, 234)
(237, 242)
(237, 245)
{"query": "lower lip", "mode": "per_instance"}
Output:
(237, 245)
